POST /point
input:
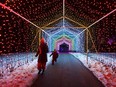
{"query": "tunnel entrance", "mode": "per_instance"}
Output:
(64, 47)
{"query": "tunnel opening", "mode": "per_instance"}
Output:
(64, 47)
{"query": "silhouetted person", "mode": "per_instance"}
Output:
(54, 56)
(42, 59)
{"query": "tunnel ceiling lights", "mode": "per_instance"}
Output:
(83, 9)
(60, 25)
(43, 12)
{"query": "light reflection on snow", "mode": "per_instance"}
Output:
(103, 66)
(24, 75)
(9, 63)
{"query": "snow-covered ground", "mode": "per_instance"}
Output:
(24, 75)
(104, 73)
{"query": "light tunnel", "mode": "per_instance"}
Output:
(65, 35)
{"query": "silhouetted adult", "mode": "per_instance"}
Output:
(42, 58)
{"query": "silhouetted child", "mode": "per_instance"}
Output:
(54, 56)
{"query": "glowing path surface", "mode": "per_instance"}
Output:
(67, 72)
(8, 8)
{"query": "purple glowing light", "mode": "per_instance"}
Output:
(63, 40)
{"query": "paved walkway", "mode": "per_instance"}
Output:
(67, 72)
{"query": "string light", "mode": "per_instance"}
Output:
(17, 35)
(87, 12)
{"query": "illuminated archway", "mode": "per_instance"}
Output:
(63, 40)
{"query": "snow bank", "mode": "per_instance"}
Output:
(104, 73)
(23, 76)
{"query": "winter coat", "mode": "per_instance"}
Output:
(55, 55)
(42, 51)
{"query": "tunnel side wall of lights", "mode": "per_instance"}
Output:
(16, 34)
